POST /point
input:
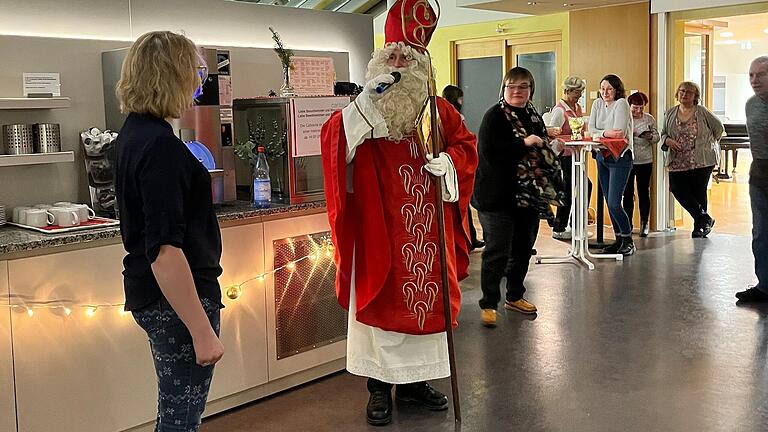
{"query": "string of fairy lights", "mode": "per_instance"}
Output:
(68, 307)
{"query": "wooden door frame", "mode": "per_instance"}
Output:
(707, 33)
(498, 46)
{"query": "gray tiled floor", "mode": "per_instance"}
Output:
(652, 344)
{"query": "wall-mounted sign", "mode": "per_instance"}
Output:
(41, 84)
(308, 116)
(313, 76)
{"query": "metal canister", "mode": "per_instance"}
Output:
(47, 138)
(19, 139)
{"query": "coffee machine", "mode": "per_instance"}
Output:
(201, 122)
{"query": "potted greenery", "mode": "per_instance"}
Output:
(285, 55)
(274, 149)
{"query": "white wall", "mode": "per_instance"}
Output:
(69, 36)
(658, 6)
(207, 22)
(733, 62)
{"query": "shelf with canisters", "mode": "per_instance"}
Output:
(36, 158)
(22, 103)
(34, 103)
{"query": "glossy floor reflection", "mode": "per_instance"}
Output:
(655, 343)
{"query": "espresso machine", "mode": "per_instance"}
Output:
(201, 122)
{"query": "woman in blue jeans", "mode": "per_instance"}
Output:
(611, 118)
(168, 227)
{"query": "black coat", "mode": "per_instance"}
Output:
(499, 151)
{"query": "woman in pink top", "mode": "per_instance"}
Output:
(568, 107)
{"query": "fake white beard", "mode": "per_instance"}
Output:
(401, 103)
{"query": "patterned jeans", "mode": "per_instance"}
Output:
(182, 384)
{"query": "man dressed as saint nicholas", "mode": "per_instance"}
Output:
(381, 200)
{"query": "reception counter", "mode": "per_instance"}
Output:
(70, 360)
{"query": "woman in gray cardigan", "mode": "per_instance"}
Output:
(691, 135)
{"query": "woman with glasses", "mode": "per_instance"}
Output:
(168, 226)
(517, 178)
(567, 108)
(691, 134)
(646, 135)
(611, 118)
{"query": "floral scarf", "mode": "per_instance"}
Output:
(539, 174)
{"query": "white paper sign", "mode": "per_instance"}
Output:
(313, 76)
(42, 83)
(308, 116)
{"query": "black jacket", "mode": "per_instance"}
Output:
(499, 152)
(164, 197)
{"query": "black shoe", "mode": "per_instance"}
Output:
(752, 295)
(478, 244)
(613, 248)
(379, 410)
(534, 252)
(706, 228)
(644, 229)
(627, 246)
(422, 394)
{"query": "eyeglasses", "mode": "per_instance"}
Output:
(684, 91)
(522, 87)
(202, 73)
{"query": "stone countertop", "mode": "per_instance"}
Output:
(15, 240)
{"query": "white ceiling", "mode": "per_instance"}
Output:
(543, 7)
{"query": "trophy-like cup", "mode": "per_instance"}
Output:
(576, 124)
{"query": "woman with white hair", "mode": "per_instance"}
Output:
(568, 107)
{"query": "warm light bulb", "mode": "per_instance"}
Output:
(260, 278)
(234, 292)
(67, 311)
(30, 312)
(313, 257)
(90, 312)
(291, 266)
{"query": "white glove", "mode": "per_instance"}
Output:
(370, 86)
(442, 166)
(438, 166)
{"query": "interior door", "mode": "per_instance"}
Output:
(544, 60)
(478, 73)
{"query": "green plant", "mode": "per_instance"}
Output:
(273, 149)
(284, 54)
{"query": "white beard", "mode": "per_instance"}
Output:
(402, 102)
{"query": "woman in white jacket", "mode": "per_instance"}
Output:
(611, 118)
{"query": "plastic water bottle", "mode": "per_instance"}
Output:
(262, 186)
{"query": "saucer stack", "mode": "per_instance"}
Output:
(2, 215)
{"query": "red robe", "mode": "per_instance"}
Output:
(390, 226)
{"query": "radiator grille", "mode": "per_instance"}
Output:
(307, 313)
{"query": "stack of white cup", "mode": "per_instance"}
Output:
(62, 214)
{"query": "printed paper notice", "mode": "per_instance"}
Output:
(313, 76)
(308, 115)
(42, 84)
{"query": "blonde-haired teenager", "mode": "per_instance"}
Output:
(168, 226)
